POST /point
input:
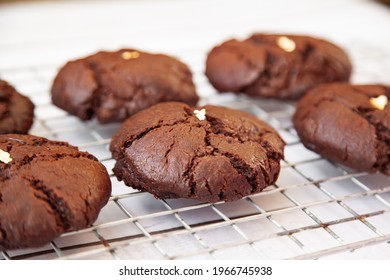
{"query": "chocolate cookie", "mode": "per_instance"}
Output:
(210, 153)
(16, 110)
(348, 124)
(278, 66)
(46, 188)
(115, 85)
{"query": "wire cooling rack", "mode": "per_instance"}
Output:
(316, 210)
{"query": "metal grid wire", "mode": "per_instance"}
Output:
(316, 210)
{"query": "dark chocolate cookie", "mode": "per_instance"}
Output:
(16, 110)
(346, 123)
(210, 153)
(115, 85)
(46, 188)
(278, 66)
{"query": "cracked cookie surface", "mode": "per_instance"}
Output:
(172, 151)
(276, 65)
(114, 85)
(16, 110)
(46, 188)
(342, 122)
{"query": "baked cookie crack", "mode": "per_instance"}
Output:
(59, 207)
(219, 127)
(216, 128)
(3, 236)
(132, 138)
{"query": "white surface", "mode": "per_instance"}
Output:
(286, 221)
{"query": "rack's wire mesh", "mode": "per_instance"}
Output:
(317, 209)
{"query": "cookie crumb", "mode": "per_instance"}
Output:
(5, 157)
(286, 44)
(130, 55)
(379, 102)
(200, 114)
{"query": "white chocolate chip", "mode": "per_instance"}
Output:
(286, 44)
(200, 114)
(5, 157)
(130, 55)
(379, 102)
